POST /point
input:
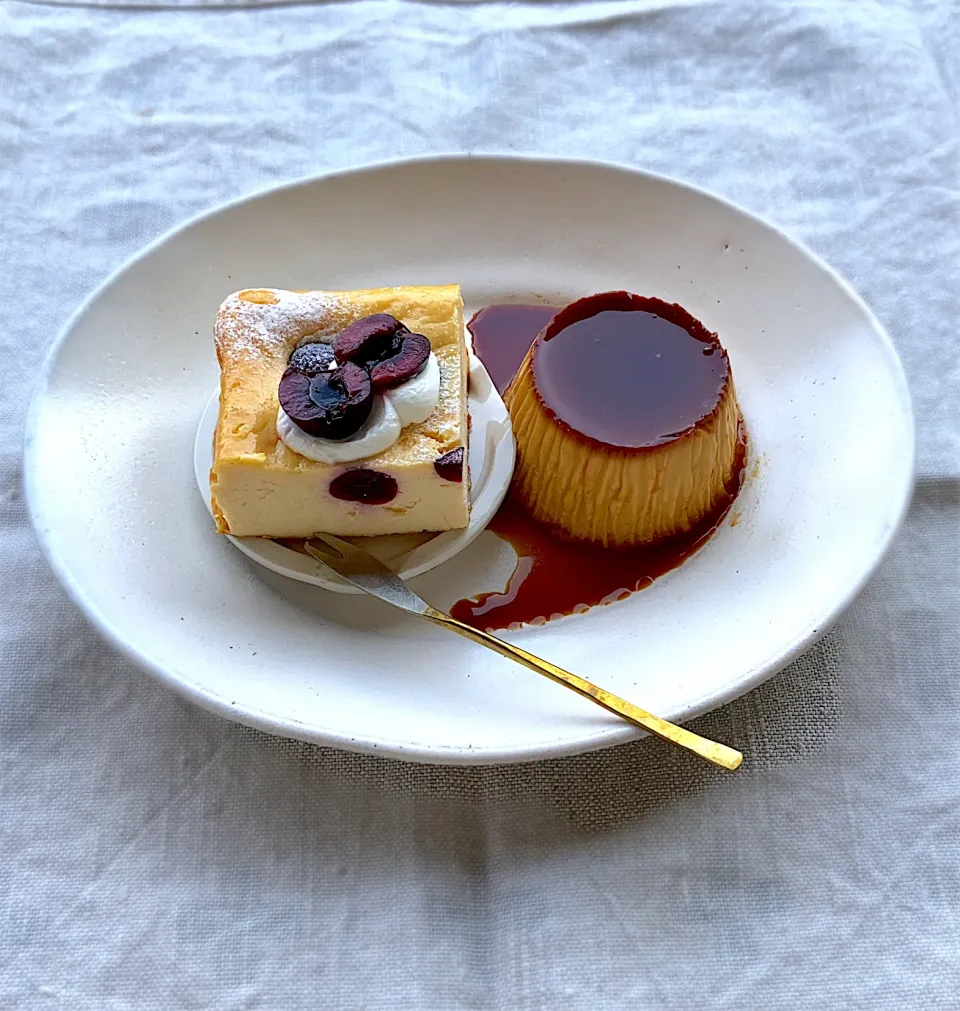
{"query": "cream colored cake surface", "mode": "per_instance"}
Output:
(259, 487)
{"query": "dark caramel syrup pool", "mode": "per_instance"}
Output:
(556, 577)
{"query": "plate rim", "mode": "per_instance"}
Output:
(455, 754)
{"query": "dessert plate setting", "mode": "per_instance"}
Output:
(269, 636)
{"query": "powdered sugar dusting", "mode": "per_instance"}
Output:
(272, 321)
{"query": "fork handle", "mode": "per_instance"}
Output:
(718, 754)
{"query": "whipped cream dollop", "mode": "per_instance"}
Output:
(407, 404)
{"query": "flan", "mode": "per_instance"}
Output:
(626, 421)
(368, 445)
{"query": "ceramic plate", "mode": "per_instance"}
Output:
(109, 460)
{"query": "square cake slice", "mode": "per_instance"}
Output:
(262, 488)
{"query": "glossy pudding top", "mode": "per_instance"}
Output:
(628, 371)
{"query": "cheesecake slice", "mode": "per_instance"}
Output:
(371, 444)
(626, 420)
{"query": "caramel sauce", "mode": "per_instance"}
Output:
(502, 335)
(553, 576)
(629, 371)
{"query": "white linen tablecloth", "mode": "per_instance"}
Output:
(154, 856)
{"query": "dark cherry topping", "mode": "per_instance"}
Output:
(409, 359)
(372, 487)
(331, 405)
(375, 353)
(450, 465)
(369, 339)
(312, 359)
(386, 347)
(628, 371)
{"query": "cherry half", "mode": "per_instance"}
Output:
(330, 405)
(408, 360)
(371, 487)
(311, 359)
(367, 340)
(450, 465)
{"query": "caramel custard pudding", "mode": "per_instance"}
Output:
(630, 448)
(626, 421)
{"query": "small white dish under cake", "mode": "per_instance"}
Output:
(490, 462)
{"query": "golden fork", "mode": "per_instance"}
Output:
(369, 574)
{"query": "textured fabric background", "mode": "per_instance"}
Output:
(153, 856)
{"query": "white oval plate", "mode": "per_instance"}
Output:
(491, 458)
(111, 488)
